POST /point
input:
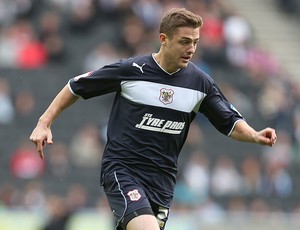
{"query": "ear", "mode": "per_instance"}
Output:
(163, 38)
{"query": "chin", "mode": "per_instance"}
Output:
(183, 65)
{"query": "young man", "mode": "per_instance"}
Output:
(157, 97)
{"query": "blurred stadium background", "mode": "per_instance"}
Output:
(250, 47)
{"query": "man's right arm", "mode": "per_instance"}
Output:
(42, 134)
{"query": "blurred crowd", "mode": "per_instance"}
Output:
(35, 35)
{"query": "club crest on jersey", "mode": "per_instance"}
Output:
(134, 195)
(166, 96)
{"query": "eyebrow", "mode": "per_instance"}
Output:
(187, 38)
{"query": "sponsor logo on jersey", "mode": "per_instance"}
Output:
(166, 96)
(138, 66)
(83, 75)
(134, 195)
(160, 125)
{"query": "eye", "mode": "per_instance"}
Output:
(185, 42)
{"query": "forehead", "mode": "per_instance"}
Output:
(187, 32)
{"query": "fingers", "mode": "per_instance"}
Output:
(267, 141)
(273, 140)
(41, 144)
(41, 136)
(269, 137)
(49, 139)
(272, 136)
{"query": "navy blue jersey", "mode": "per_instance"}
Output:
(150, 118)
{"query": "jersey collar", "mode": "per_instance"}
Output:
(163, 68)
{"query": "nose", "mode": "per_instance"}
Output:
(192, 49)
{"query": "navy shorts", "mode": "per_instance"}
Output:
(128, 199)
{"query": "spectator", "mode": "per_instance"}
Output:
(288, 6)
(212, 40)
(149, 11)
(225, 178)
(282, 154)
(58, 162)
(237, 206)
(237, 209)
(259, 209)
(76, 198)
(260, 64)
(9, 47)
(184, 198)
(58, 213)
(296, 130)
(103, 54)
(132, 34)
(276, 180)
(24, 163)
(211, 212)
(7, 192)
(50, 27)
(238, 35)
(31, 54)
(34, 196)
(7, 110)
(85, 147)
(82, 15)
(197, 176)
(251, 175)
(25, 103)
(195, 139)
(239, 99)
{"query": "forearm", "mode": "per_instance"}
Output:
(63, 100)
(243, 132)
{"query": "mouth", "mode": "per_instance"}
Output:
(186, 59)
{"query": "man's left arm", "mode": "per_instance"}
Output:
(244, 132)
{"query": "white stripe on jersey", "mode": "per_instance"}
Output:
(149, 93)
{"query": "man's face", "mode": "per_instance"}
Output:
(179, 49)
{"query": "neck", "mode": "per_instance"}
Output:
(161, 60)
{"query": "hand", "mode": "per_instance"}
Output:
(41, 136)
(266, 136)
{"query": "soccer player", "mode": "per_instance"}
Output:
(157, 97)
